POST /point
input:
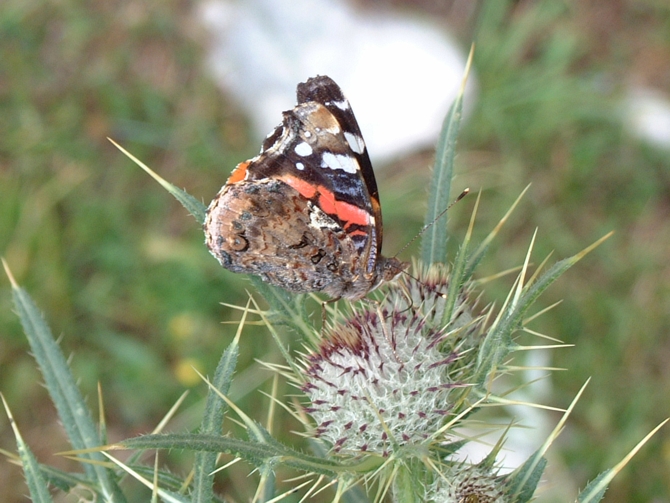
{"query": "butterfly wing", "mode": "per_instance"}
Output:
(322, 89)
(319, 151)
(304, 214)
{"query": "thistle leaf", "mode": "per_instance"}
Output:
(59, 381)
(37, 485)
(434, 240)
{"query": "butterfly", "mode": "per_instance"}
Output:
(304, 214)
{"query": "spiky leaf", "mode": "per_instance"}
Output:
(72, 410)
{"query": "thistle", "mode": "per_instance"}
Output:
(390, 374)
(469, 485)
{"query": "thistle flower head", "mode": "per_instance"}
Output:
(389, 375)
(468, 484)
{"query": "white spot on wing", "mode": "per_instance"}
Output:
(307, 134)
(319, 219)
(355, 142)
(303, 149)
(344, 162)
(299, 166)
(342, 105)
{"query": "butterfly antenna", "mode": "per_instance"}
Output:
(430, 224)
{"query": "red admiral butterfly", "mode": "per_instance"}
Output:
(304, 214)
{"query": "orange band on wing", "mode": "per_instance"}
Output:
(239, 172)
(345, 212)
(305, 189)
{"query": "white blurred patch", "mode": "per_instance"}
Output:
(400, 74)
(533, 425)
(647, 114)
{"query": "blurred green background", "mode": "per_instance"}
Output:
(121, 271)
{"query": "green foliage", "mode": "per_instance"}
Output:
(215, 408)
(36, 481)
(259, 452)
(63, 390)
(434, 239)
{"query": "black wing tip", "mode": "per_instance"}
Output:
(320, 89)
